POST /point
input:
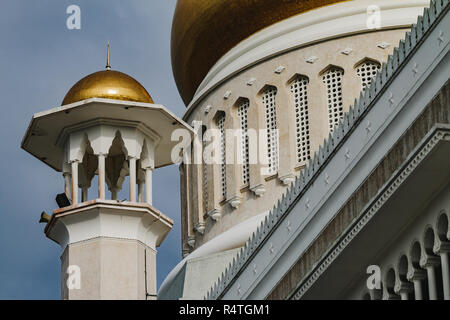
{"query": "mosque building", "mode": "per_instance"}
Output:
(334, 181)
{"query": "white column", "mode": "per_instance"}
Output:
(148, 185)
(416, 276)
(67, 185)
(418, 289)
(114, 192)
(445, 274)
(404, 295)
(132, 161)
(141, 191)
(431, 282)
(74, 182)
(84, 193)
(101, 176)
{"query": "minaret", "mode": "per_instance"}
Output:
(108, 126)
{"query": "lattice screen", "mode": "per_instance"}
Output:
(366, 71)
(243, 119)
(333, 80)
(268, 99)
(205, 175)
(300, 96)
(221, 126)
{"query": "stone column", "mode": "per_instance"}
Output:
(403, 288)
(74, 182)
(67, 184)
(132, 161)
(429, 263)
(442, 249)
(114, 192)
(445, 274)
(141, 191)
(416, 276)
(148, 185)
(84, 193)
(101, 176)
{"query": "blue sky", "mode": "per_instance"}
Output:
(40, 59)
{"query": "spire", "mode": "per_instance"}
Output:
(108, 64)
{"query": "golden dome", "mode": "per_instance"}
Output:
(108, 84)
(204, 30)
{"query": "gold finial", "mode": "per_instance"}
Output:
(108, 64)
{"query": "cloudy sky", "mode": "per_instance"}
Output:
(40, 59)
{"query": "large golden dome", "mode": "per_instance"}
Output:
(204, 30)
(108, 84)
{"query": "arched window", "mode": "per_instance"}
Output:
(367, 70)
(243, 106)
(223, 171)
(333, 80)
(268, 99)
(300, 98)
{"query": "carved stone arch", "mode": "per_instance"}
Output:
(428, 240)
(265, 88)
(239, 101)
(147, 154)
(389, 283)
(442, 227)
(402, 267)
(219, 113)
(132, 141)
(84, 145)
(364, 60)
(402, 285)
(328, 68)
(116, 168)
(415, 253)
(367, 69)
(88, 167)
(77, 146)
(295, 77)
(118, 140)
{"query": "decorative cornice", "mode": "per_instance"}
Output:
(354, 116)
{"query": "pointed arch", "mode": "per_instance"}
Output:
(366, 69)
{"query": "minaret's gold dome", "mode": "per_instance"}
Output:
(204, 30)
(108, 84)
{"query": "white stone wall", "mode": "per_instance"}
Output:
(312, 63)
